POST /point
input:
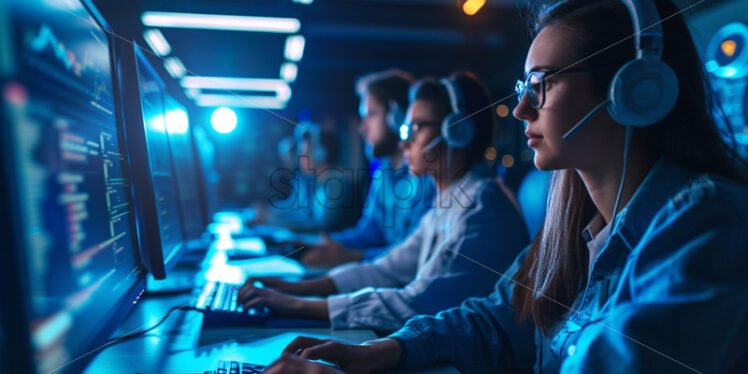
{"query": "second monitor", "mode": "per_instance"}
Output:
(154, 184)
(185, 168)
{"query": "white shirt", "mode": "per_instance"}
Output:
(457, 251)
(596, 234)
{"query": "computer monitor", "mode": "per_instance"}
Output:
(70, 269)
(154, 185)
(207, 174)
(185, 168)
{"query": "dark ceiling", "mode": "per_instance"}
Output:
(344, 39)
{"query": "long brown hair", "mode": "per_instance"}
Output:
(557, 264)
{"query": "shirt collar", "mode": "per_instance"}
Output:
(662, 182)
(591, 231)
(458, 190)
(596, 234)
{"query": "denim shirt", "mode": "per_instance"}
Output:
(395, 203)
(667, 293)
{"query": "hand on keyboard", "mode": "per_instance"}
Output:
(217, 296)
(277, 302)
(293, 364)
(235, 367)
(372, 356)
(275, 283)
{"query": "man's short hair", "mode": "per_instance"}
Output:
(386, 86)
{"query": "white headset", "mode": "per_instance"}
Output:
(457, 128)
(395, 116)
(645, 89)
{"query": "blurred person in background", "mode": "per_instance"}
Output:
(441, 263)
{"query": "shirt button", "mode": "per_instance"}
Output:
(572, 349)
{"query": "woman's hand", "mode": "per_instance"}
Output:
(293, 364)
(371, 356)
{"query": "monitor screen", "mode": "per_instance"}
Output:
(207, 175)
(185, 168)
(72, 227)
(155, 190)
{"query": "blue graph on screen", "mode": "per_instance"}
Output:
(50, 53)
(46, 38)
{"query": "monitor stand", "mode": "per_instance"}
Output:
(185, 275)
(177, 281)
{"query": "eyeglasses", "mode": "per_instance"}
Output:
(408, 129)
(534, 83)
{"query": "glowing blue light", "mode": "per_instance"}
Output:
(532, 195)
(727, 53)
(223, 120)
(288, 71)
(175, 67)
(362, 109)
(294, 47)
(711, 66)
(239, 101)
(157, 123)
(404, 132)
(221, 22)
(194, 86)
(157, 42)
(741, 138)
(177, 122)
(52, 330)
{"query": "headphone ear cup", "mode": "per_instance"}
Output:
(458, 130)
(642, 92)
(395, 117)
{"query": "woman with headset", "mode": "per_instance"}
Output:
(474, 223)
(641, 263)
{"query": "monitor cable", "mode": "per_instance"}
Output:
(121, 338)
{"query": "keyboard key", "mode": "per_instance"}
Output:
(235, 367)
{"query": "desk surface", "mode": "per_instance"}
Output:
(181, 344)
